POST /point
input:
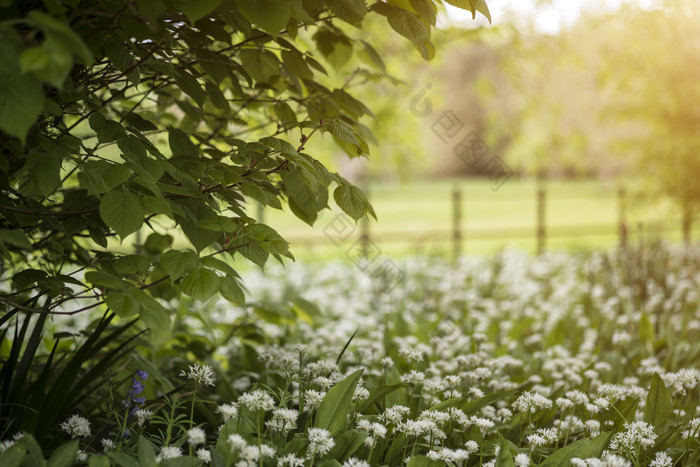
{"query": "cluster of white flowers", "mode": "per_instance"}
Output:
(637, 435)
(249, 454)
(76, 427)
(320, 442)
(168, 452)
(142, 415)
(196, 436)
(283, 420)
(200, 374)
(531, 402)
(257, 399)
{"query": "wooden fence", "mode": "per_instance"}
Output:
(542, 232)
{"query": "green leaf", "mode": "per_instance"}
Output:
(107, 130)
(658, 407)
(122, 211)
(147, 455)
(98, 461)
(153, 314)
(51, 61)
(105, 279)
(351, 11)
(408, 25)
(195, 10)
(189, 84)
(346, 444)
(595, 446)
(352, 200)
(426, 10)
(181, 144)
(64, 455)
(218, 224)
(62, 30)
(123, 460)
(371, 56)
(21, 94)
(178, 263)
(216, 263)
(13, 456)
(44, 170)
(423, 461)
(348, 138)
(379, 393)
(481, 7)
(182, 461)
(232, 291)
(123, 304)
(16, 238)
(157, 205)
(563, 456)
(27, 277)
(505, 456)
(271, 15)
(472, 5)
(336, 404)
(157, 243)
(202, 284)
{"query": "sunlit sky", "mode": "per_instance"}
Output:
(546, 16)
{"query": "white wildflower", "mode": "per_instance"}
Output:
(76, 427)
(200, 374)
(257, 400)
(228, 411)
(320, 442)
(168, 452)
(196, 436)
(204, 455)
(312, 400)
(107, 444)
(142, 415)
(522, 460)
(290, 460)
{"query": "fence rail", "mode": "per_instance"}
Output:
(541, 230)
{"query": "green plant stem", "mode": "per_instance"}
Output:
(194, 396)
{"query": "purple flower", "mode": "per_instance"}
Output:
(133, 395)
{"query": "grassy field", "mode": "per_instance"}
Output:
(418, 218)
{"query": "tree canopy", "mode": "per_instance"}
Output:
(167, 117)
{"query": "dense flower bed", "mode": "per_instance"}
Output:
(584, 360)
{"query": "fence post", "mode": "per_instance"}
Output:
(456, 223)
(622, 203)
(687, 224)
(541, 220)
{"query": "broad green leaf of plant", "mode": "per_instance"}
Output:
(423, 461)
(64, 455)
(658, 406)
(195, 10)
(20, 107)
(122, 211)
(202, 284)
(336, 404)
(271, 15)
